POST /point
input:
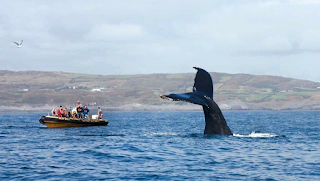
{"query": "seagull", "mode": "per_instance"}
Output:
(19, 45)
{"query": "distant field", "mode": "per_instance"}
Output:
(235, 91)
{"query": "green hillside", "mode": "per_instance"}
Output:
(231, 91)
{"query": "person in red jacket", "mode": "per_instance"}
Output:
(59, 112)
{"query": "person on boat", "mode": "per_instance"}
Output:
(69, 113)
(64, 112)
(100, 114)
(86, 111)
(59, 112)
(79, 104)
(80, 112)
(74, 112)
(53, 112)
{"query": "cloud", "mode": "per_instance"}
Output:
(276, 53)
(114, 32)
(125, 37)
(305, 1)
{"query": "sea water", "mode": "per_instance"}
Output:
(163, 146)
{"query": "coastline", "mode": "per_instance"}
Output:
(149, 108)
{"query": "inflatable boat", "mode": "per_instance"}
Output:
(62, 122)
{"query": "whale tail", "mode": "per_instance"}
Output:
(203, 95)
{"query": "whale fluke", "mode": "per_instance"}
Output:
(203, 95)
(203, 83)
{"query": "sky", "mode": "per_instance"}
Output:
(261, 37)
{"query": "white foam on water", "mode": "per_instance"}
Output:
(256, 135)
(161, 134)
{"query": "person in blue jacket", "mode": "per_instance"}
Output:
(86, 111)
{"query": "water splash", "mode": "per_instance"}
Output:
(257, 135)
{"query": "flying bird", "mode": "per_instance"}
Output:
(19, 45)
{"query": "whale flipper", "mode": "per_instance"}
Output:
(190, 97)
(203, 95)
